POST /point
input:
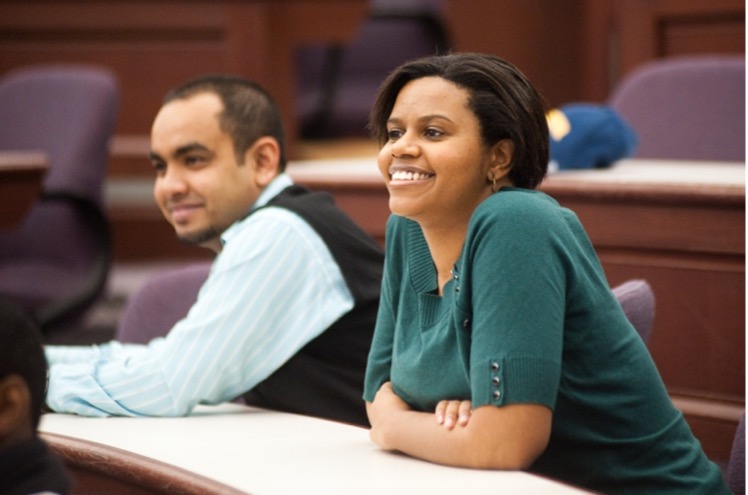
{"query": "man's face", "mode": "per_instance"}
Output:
(200, 187)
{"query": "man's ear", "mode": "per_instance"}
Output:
(15, 409)
(502, 154)
(265, 156)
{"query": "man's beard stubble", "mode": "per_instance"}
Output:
(200, 238)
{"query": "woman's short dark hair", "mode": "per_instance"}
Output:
(501, 97)
(249, 112)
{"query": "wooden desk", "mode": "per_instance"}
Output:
(97, 468)
(263, 452)
(679, 225)
(21, 174)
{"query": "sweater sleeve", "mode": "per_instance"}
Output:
(515, 281)
(380, 355)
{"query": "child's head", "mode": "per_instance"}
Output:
(23, 374)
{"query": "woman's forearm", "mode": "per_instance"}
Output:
(506, 438)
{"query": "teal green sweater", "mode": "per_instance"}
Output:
(528, 317)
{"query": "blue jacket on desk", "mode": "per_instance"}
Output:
(585, 135)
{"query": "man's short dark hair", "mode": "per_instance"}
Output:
(22, 354)
(249, 112)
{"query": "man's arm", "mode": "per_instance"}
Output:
(274, 287)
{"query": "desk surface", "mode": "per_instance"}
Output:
(623, 172)
(265, 452)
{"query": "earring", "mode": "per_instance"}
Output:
(493, 184)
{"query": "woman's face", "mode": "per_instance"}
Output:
(434, 163)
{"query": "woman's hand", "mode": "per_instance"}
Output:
(453, 412)
(489, 437)
(386, 404)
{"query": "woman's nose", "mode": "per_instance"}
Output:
(405, 145)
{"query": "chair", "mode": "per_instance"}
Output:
(167, 297)
(56, 263)
(736, 464)
(337, 83)
(638, 302)
(690, 108)
(161, 302)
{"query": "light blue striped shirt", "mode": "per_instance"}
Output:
(274, 287)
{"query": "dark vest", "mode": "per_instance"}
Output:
(326, 377)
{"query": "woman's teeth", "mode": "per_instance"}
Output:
(403, 175)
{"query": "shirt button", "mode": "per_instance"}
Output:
(496, 394)
(494, 366)
(496, 381)
(466, 323)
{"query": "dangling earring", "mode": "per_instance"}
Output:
(493, 184)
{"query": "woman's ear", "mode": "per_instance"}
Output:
(501, 156)
(264, 155)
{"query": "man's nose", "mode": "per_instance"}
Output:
(172, 182)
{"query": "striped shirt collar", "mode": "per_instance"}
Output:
(277, 185)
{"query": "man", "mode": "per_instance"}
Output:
(26, 463)
(287, 312)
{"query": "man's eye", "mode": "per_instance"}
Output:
(158, 167)
(194, 160)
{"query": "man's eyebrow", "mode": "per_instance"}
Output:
(181, 151)
(154, 157)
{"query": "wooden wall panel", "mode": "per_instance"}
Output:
(577, 50)
(154, 45)
(573, 51)
(644, 30)
(541, 37)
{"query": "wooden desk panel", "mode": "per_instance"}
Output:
(683, 230)
(21, 176)
(99, 469)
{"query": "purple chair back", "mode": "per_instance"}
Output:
(690, 108)
(56, 263)
(638, 303)
(161, 302)
(736, 464)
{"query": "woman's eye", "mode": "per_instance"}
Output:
(433, 133)
(393, 134)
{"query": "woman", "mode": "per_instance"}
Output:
(498, 342)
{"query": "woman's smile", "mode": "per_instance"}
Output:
(434, 161)
(408, 175)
